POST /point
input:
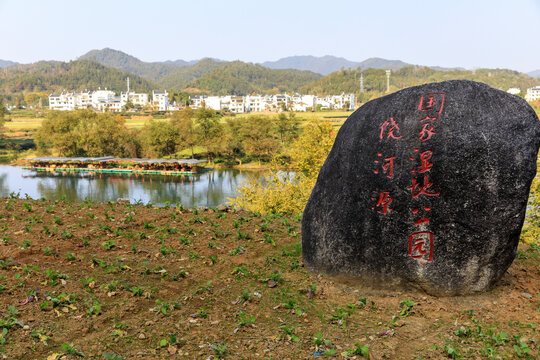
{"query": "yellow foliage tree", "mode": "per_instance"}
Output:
(531, 228)
(285, 193)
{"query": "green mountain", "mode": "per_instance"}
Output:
(239, 78)
(167, 74)
(55, 76)
(182, 76)
(348, 81)
(122, 61)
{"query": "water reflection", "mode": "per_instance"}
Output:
(208, 189)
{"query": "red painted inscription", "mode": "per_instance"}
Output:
(418, 189)
(421, 246)
(383, 202)
(390, 128)
(431, 102)
(387, 166)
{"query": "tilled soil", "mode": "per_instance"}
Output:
(121, 281)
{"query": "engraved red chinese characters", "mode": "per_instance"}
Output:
(421, 246)
(387, 165)
(390, 128)
(383, 200)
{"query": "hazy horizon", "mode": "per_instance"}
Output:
(483, 34)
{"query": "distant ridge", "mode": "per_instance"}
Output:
(322, 65)
(535, 73)
(7, 63)
(328, 64)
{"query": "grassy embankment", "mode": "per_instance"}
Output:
(121, 281)
(22, 125)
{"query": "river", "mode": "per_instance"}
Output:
(207, 189)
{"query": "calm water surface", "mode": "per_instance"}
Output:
(208, 189)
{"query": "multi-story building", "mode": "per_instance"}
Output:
(60, 102)
(303, 102)
(160, 99)
(257, 103)
(232, 103)
(533, 94)
(135, 98)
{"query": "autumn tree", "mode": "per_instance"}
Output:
(531, 227)
(289, 193)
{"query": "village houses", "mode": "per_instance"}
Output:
(107, 100)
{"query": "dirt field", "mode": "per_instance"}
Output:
(120, 281)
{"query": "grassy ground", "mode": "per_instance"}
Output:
(121, 281)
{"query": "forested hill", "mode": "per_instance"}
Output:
(348, 81)
(122, 61)
(239, 78)
(55, 76)
(182, 76)
(167, 74)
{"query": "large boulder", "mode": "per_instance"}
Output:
(426, 187)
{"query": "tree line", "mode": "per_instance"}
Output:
(230, 139)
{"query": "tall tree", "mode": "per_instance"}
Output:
(3, 112)
(286, 126)
(209, 131)
(184, 122)
(259, 137)
(234, 138)
(159, 138)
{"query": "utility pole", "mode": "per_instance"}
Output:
(361, 83)
(388, 80)
(128, 86)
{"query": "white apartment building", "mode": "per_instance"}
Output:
(335, 102)
(60, 102)
(135, 98)
(303, 102)
(533, 94)
(257, 103)
(160, 99)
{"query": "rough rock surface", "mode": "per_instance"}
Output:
(426, 187)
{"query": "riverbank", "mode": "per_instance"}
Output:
(129, 281)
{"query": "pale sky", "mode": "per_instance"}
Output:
(466, 33)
